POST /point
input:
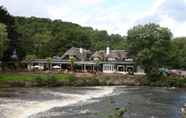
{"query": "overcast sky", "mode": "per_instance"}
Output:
(115, 16)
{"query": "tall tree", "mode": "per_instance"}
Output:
(3, 39)
(149, 44)
(8, 20)
(49, 61)
(53, 38)
(71, 62)
(178, 53)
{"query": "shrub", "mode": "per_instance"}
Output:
(169, 81)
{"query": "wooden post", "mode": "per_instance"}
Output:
(81, 67)
(93, 67)
(60, 67)
(84, 67)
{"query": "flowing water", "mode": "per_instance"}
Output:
(91, 102)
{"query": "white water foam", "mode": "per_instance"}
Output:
(25, 109)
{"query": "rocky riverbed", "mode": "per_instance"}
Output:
(91, 102)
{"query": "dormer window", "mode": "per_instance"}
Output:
(111, 59)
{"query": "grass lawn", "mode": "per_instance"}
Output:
(31, 76)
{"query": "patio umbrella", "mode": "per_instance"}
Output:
(56, 67)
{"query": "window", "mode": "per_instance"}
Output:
(111, 59)
(108, 67)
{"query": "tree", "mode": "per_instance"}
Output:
(49, 60)
(118, 42)
(13, 44)
(178, 53)
(149, 45)
(72, 61)
(29, 59)
(99, 39)
(97, 65)
(3, 39)
(52, 38)
(41, 41)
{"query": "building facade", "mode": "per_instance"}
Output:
(106, 61)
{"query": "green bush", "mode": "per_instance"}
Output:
(170, 81)
(64, 77)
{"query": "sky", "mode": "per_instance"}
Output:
(115, 16)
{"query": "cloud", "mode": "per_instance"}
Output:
(91, 2)
(95, 14)
(99, 14)
(26, 8)
(168, 13)
(115, 16)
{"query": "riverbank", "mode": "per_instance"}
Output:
(70, 79)
(84, 79)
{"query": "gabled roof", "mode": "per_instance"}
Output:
(113, 55)
(117, 54)
(76, 53)
(120, 53)
(99, 54)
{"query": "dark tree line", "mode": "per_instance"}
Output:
(46, 38)
(13, 41)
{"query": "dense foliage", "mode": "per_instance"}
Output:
(171, 81)
(45, 38)
(14, 43)
(178, 53)
(149, 44)
(3, 39)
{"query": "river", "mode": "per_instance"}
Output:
(91, 102)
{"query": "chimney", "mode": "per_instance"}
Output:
(81, 50)
(108, 50)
